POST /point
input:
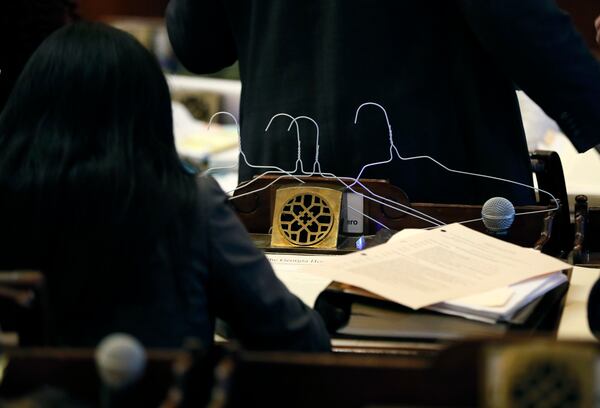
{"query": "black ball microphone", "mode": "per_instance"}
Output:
(498, 215)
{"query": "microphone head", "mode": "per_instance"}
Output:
(498, 214)
(120, 359)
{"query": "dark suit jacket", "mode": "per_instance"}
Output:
(230, 278)
(444, 69)
(222, 274)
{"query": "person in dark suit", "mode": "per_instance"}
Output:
(445, 70)
(130, 240)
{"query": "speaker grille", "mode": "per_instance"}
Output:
(541, 374)
(546, 384)
(306, 219)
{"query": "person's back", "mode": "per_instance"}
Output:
(444, 70)
(95, 195)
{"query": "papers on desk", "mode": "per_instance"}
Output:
(289, 269)
(425, 268)
(503, 303)
(377, 322)
(497, 279)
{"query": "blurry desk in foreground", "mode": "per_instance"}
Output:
(74, 372)
(532, 373)
(469, 374)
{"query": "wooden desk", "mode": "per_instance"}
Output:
(469, 374)
(460, 376)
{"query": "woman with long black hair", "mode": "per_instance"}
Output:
(93, 193)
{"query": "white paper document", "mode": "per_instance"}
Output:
(289, 269)
(574, 321)
(432, 266)
(503, 303)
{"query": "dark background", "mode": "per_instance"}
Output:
(583, 12)
(98, 9)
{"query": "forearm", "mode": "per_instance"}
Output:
(273, 319)
(200, 34)
(259, 308)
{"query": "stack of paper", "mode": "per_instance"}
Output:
(379, 322)
(501, 304)
(452, 269)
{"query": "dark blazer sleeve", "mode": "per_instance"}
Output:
(244, 289)
(536, 44)
(200, 34)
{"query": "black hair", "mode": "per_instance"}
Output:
(91, 187)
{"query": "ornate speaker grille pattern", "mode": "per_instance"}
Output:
(306, 219)
(546, 384)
